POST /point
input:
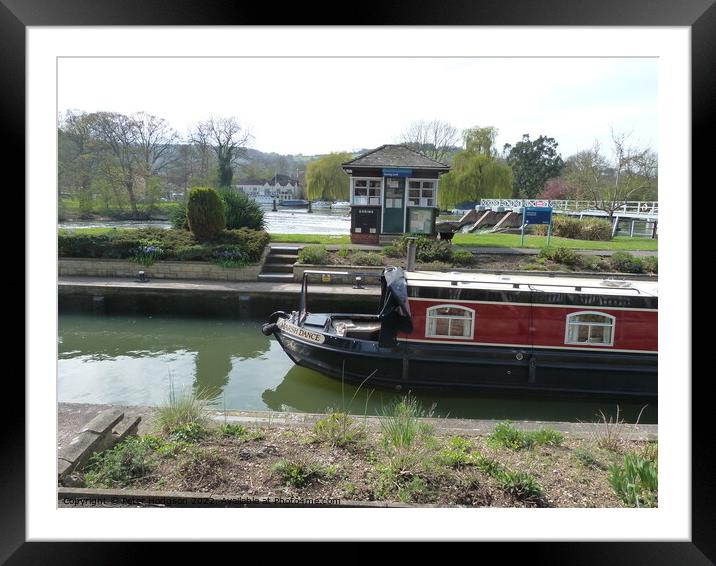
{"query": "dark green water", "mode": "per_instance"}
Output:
(136, 360)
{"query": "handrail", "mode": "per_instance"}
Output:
(516, 285)
(304, 285)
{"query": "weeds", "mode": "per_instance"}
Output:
(182, 410)
(299, 473)
(587, 459)
(610, 434)
(507, 436)
(519, 484)
(229, 430)
(338, 429)
(128, 461)
(636, 481)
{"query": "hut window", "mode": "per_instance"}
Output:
(593, 328)
(367, 191)
(450, 321)
(421, 193)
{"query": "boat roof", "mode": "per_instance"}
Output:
(546, 283)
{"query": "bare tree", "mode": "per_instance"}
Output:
(609, 185)
(155, 140)
(228, 140)
(435, 138)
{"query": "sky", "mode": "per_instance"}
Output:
(314, 106)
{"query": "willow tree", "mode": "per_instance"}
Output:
(476, 171)
(325, 178)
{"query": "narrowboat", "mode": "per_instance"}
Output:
(485, 332)
(296, 203)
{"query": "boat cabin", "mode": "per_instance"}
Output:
(393, 190)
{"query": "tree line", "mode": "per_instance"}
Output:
(123, 161)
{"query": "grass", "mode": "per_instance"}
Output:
(505, 435)
(338, 429)
(186, 411)
(623, 243)
(298, 473)
(612, 432)
(310, 239)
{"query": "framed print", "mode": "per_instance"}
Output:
(44, 44)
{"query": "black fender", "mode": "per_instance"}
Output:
(270, 327)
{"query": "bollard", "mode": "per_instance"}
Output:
(274, 206)
(411, 254)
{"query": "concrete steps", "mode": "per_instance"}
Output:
(278, 265)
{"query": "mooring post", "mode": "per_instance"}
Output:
(274, 206)
(309, 206)
(411, 254)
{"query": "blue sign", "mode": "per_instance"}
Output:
(538, 215)
(397, 172)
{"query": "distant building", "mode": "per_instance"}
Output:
(278, 187)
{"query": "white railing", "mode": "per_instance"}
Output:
(631, 208)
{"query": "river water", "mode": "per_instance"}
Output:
(288, 221)
(136, 360)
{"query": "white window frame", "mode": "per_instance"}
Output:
(367, 179)
(429, 316)
(612, 325)
(421, 189)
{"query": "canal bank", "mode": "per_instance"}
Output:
(235, 458)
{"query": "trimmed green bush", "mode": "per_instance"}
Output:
(205, 213)
(565, 256)
(156, 243)
(463, 258)
(313, 255)
(242, 211)
(366, 258)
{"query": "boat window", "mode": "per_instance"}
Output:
(450, 321)
(592, 328)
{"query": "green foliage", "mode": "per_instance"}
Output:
(590, 229)
(174, 244)
(147, 253)
(313, 255)
(463, 258)
(393, 251)
(242, 211)
(519, 484)
(325, 178)
(338, 429)
(366, 258)
(230, 256)
(231, 430)
(177, 216)
(399, 423)
(205, 213)
(650, 264)
(564, 256)
(533, 164)
(626, 263)
(476, 172)
(128, 461)
(427, 249)
(456, 454)
(189, 432)
(343, 251)
(636, 481)
(506, 435)
(182, 410)
(299, 473)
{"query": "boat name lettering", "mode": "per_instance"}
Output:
(289, 328)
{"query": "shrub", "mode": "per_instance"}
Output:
(564, 256)
(636, 481)
(205, 213)
(393, 251)
(177, 216)
(626, 263)
(463, 258)
(313, 255)
(252, 242)
(189, 432)
(650, 264)
(344, 251)
(427, 249)
(573, 228)
(230, 256)
(242, 211)
(366, 258)
(596, 229)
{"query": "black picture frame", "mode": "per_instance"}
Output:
(699, 15)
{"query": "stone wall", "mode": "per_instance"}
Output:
(160, 270)
(299, 268)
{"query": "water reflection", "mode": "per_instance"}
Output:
(136, 360)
